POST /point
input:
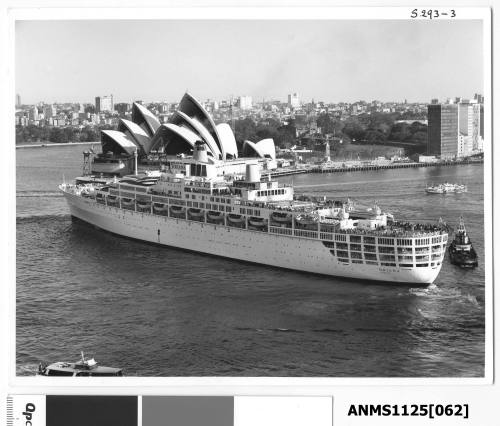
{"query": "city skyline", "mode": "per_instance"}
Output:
(330, 61)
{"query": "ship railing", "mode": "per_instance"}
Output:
(422, 250)
(386, 249)
(405, 258)
(390, 233)
(306, 234)
(281, 231)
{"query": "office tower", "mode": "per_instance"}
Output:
(245, 102)
(107, 103)
(442, 137)
(454, 129)
(293, 100)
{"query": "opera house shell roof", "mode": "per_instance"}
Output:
(189, 124)
(263, 149)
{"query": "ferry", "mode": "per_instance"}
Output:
(445, 188)
(461, 251)
(85, 367)
(213, 204)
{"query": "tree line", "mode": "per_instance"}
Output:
(32, 133)
(374, 128)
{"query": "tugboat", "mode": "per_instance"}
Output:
(83, 367)
(461, 251)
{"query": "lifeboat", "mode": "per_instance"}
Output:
(258, 222)
(195, 213)
(281, 217)
(177, 211)
(128, 203)
(160, 207)
(144, 205)
(306, 220)
(99, 197)
(215, 216)
(112, 199)
(236, 218)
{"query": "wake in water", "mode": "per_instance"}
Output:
(26, 217)
(26, 370)
(38, 194)
(443, 293)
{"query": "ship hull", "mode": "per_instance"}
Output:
(302, 254)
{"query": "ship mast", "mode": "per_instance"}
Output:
(461, 226)
(135, 161)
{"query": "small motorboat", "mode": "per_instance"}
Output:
(461, 251)
(85, 367)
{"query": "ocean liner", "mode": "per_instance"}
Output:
(215, 203)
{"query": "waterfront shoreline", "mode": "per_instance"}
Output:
(374, 167)
(51, 144)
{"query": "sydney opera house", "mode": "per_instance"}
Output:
(189, 125)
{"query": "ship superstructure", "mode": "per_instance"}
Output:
(197, 205)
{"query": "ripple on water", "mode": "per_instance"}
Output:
(159, 311)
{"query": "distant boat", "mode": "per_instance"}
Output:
(461, 251)
(82, 368)
(444, 188)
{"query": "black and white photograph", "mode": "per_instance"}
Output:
(219, 197)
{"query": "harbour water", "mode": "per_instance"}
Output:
(157, 311)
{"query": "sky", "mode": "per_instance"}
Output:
(328, 60)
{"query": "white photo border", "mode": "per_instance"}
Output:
(238, 385)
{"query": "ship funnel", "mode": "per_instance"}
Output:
(253, 173)
(200, 152)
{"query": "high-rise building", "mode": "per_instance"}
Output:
(293, 100)
(453, 128)
(122, 108)
(480, 100)
(49, 111)
(33, 115)
(442, 137)
(107, 103)
(104, 103)
(481, 121)
(18, 99)
(469, 123)
(245, 102)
